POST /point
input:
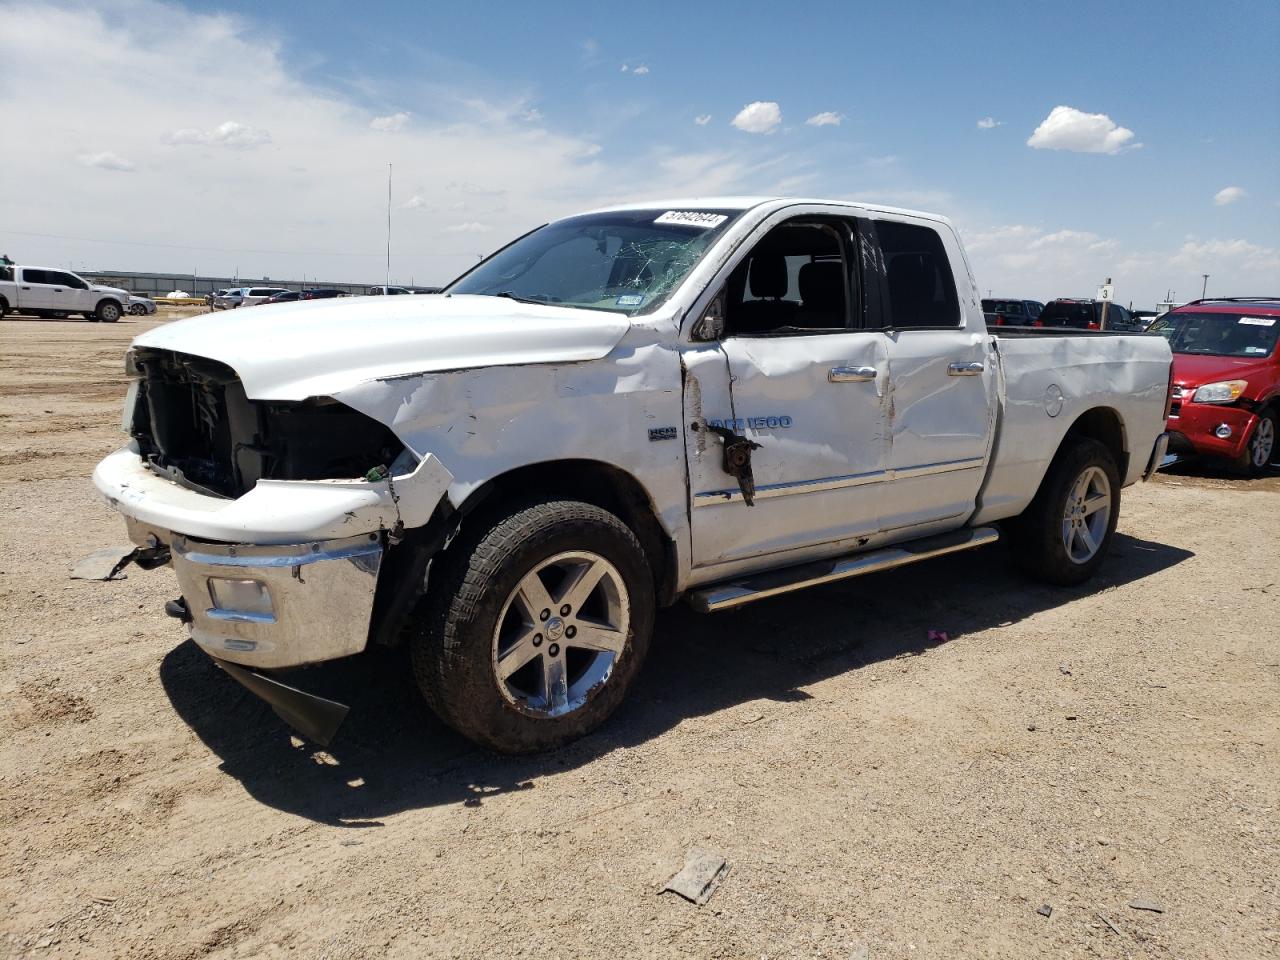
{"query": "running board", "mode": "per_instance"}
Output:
(734, 593)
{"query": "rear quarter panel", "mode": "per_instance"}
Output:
(1126, 374)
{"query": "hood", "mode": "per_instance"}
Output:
(1194, 370)
(291, 351)
(98, 288)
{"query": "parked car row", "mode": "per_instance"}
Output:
(1063, 312)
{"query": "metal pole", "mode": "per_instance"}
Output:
(1102, 324)
(1204, 286)
(388, 225)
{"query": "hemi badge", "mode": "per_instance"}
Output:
(662, 433)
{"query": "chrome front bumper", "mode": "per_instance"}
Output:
(279, 606)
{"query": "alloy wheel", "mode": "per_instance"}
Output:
(1263, 443)
(560, 634)
(1087, 515)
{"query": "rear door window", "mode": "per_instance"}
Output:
(921, 289)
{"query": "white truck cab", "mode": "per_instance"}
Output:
(715, 399)
(50, 292)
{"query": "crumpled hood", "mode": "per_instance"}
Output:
(291, 351)
(1194, 370)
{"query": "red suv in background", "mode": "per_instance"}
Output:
(1226, 379)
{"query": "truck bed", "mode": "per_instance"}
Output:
(1054, 375)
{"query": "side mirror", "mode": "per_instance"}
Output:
(710, 325)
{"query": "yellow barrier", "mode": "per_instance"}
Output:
(179, 301)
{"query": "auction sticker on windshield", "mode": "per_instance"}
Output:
(1259, 321)
(692, 218)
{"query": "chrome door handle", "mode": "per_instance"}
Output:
(851, 374)
(966, 369)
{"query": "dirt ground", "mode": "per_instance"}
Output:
(876, 795)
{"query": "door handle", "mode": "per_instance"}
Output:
(26, 288)
(851, 374)
(966, 369)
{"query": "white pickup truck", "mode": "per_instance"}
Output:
(48, 292)
(720, 400)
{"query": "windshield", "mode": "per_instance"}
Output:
(1219, 334)
(1002, 306)
(626, 261)
(1064, 314)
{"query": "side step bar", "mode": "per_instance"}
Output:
(734, 593)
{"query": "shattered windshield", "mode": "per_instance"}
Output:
(625, 261)
(1219, 334)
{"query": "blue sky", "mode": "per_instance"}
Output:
(256, 136)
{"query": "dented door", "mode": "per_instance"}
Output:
(816, 406)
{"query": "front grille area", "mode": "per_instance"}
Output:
(194, 423)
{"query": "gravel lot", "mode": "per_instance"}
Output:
(876, 795)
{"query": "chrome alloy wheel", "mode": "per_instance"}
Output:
(560, 634)
(1087, 515)
(1263, 443)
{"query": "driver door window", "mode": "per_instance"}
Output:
(795, 280)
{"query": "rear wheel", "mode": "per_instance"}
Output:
(1064, 535)
(535, 627)
(1260, 451)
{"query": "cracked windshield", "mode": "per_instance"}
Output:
(624, 261)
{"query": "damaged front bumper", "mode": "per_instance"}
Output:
(277, 606)
(285, 575)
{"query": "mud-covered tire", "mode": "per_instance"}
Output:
(1046, 537)
(456, 633)
(108, 311)
(1263, 446)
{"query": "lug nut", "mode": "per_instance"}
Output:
(545, 615)
(537, 639)
(570, 632)
(554, 649)
(564, 611)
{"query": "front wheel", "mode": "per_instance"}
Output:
(535, 626)
(1261, 448)
(1065, 533)
(108, 311)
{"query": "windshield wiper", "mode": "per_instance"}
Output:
(511, 296)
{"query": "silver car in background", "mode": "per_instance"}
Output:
(141, 306)
(228, 299)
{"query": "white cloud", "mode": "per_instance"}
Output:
(762, 116)
(106, 160)
(702, 119)
(230, 133)
(1229, 195)
(1067, 128)
(989, 123)
(1017, 260)
(886, 161)
(314, 201)
(625, 68)
(392, 123)
(641, 70)
(532, 115)
(469, 227)
(825, 119)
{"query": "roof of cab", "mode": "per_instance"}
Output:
(749, 203)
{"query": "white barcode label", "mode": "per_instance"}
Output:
(692, 218)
